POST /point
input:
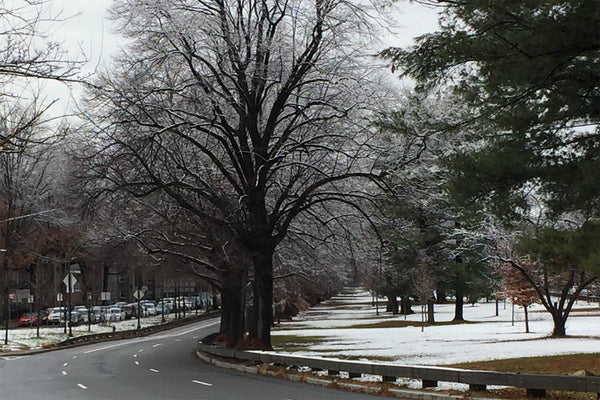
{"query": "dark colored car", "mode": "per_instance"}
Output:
(28, 319)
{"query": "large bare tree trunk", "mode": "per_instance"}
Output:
(232, 307)
(263, 298)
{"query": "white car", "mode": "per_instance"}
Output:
(114, 314)
(149, 309)
(83, 313)
(57, 315)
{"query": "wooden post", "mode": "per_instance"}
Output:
(429, 383)
(537, 393)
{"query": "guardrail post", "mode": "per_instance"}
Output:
(353, 375)
(477, 388)
(538, 393)
(426, 383)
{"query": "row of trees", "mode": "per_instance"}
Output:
(258, 146)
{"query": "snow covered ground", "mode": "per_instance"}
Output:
(487, 338)
(26, 338)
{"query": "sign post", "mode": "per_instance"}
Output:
(30, 301)
(69, 282)
(138, 294)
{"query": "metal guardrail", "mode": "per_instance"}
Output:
(536, 384)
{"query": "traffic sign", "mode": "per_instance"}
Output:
(138, 294)
(73, 282)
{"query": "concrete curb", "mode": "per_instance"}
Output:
(408, 394)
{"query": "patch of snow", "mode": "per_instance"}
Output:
(485, 337)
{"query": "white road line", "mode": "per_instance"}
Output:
(153, 370)
(178, 340)
(140, 350)
(10, 358)
(195, 329)
(64, 372)
(74, 357)
(202, 383)
(195, 337)
(82, 386)
(157, 344)
(65, 364)
(135, 356)
(104, 348)
(137, 363)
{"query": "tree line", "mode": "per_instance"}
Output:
(264, 147)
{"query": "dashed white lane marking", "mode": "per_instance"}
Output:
(195, 337)
(63, 372)
(153, 370)
(65, 364)
(202, 383)
(74, 357)
(137, 363)
(135, 356)
(140, 350)
(178, 340)
(82, 386)
(157, 344)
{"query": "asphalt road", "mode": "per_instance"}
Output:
(160, 366)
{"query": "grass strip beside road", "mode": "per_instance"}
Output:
(559, 365)
(403, 324)
(295, 342)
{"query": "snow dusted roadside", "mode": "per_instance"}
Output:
(26, 339)
(488, 338)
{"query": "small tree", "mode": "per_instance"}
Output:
(565, 263)
(517, 288)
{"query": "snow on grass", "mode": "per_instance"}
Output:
(485, 337)
(26, 338)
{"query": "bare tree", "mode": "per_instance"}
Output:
(246, 114)
(28, 54)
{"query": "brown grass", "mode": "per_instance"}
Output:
(402, 324)
(560, 365)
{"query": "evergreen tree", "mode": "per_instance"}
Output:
(529, 73)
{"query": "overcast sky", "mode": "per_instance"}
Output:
(89, 31)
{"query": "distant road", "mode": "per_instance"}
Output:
(160, 366)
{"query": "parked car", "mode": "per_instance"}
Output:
(99, 313)
(56, 315)
(44, 315)
(28, 319)
(167, 308)
(149, 309)
(83, 313)
(114, 314)
(127, 311)
(76, 318)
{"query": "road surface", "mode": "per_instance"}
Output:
(160, 366)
